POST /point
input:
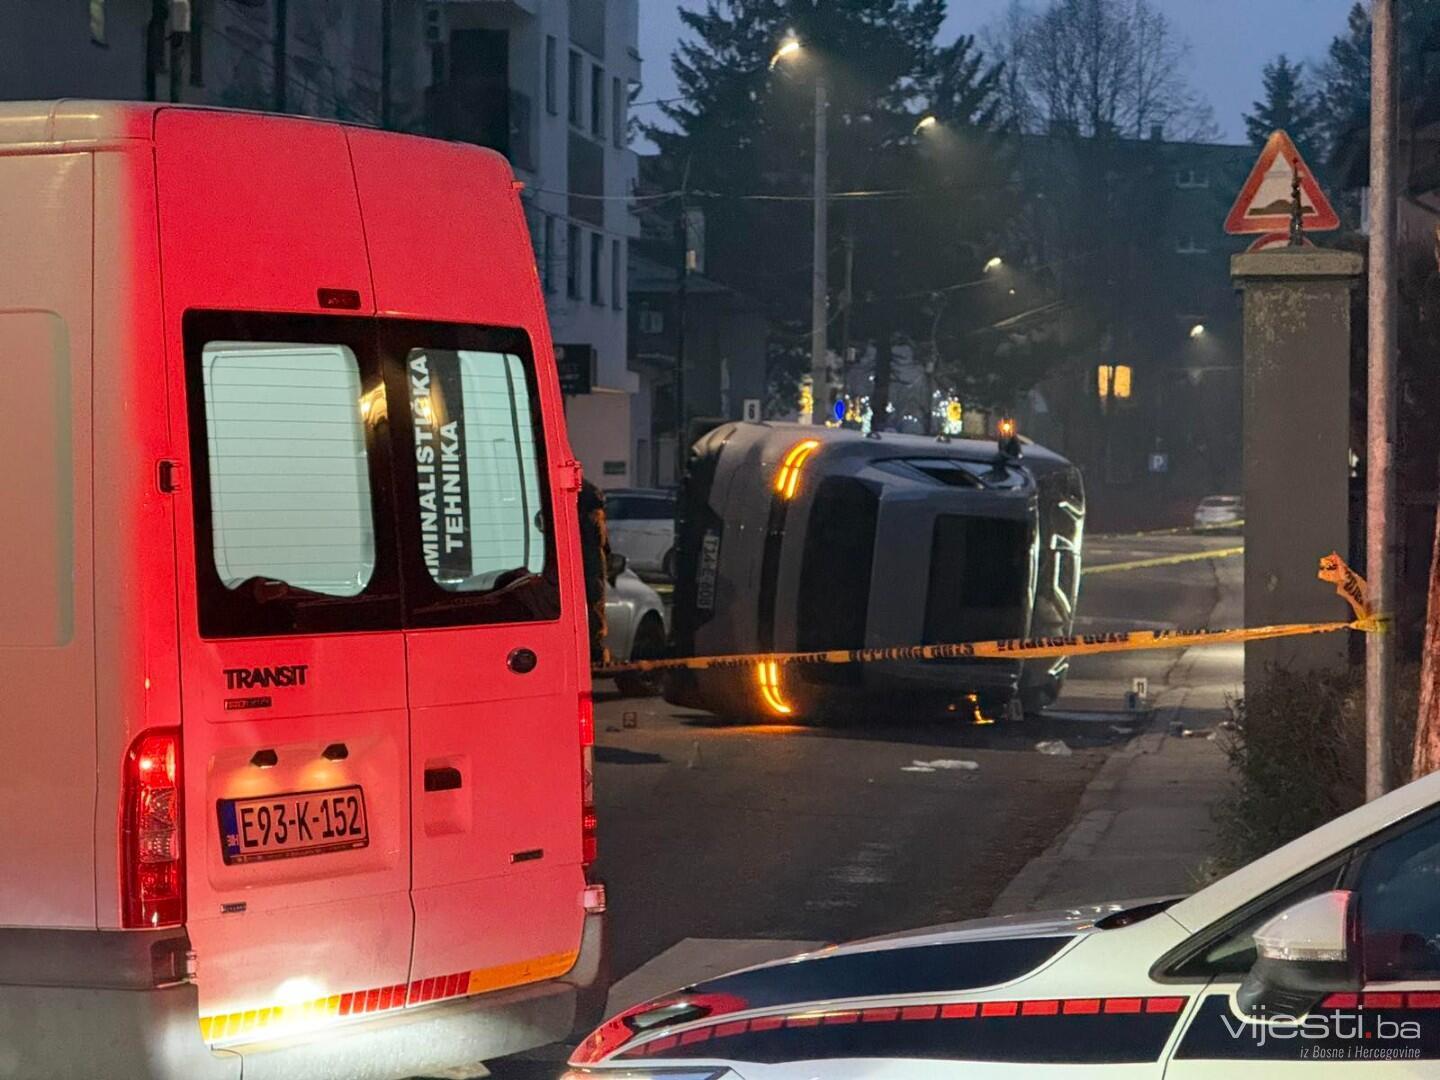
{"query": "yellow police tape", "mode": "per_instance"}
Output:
(1165, 560)
(1348, 584)
(1179, 530)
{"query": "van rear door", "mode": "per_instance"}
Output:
(493, 652)
(295, 731)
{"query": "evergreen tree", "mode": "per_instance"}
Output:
(739, 143)
(1345, 77)
(1289, 106)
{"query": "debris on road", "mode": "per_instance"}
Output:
(1054, 747)
(957, 764)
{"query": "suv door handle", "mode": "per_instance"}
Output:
(443, 778)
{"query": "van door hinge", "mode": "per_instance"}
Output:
(571, 473)
(169, 476)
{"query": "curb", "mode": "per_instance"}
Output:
(1087, 828)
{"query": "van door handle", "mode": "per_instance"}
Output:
(443, 778)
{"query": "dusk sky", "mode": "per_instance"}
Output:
(1229, 42)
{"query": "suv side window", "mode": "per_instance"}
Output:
(1399, 897)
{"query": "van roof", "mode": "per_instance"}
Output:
(78, 121)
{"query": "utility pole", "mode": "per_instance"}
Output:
(282, 35)
(847, 297)
(819, 285)
(1380, 418)
(682, 270)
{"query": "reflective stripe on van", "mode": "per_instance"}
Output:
(274, 1020)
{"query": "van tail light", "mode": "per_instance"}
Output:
(152, 839)
(588, 843)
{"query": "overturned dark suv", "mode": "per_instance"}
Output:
(798, 538)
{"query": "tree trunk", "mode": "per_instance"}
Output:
(1427, 724)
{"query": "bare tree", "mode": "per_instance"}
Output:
(1098, 67)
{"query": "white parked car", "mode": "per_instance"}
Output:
(1218, 511)
(635, 625)
(1319, 960)
(641, 523)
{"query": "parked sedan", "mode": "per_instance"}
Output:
(635, 625)
(1219, 512)
(1321, 959)
(641, 523)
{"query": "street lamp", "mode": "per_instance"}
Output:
(789, 47)
(994, 263)
(819, 281)
(926, 122)
(1198, 330)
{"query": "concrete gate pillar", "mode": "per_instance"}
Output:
(1296, 445)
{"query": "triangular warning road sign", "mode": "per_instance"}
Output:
(1266, 199)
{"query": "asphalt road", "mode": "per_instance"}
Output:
(776, 831)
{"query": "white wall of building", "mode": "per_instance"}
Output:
(580, 316)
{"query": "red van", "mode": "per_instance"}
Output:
(297, 710)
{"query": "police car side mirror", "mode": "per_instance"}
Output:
(1302, 954)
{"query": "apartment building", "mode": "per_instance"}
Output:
(545, 82)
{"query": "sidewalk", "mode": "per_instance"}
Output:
(1144, 826)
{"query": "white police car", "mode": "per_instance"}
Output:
(1320, 960)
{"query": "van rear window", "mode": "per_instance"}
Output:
(289, 480)
(354, 474)
(479, 504)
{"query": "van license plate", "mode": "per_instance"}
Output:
(291, 825)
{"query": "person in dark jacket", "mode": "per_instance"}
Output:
(595, 552)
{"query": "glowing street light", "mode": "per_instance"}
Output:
(925, 124)
(994, 263)
(789, 47)
(1198, 330)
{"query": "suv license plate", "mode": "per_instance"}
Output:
(291, 825)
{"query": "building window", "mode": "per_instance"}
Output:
(617, 113)
(547, 258)
(537, 222)
(597, 101)
(97, 21)
(651, 321)
(1191, 178)
(1188, 245)
(577, 73)
(617, 281)
(597, 256)
(552, 94)
(572, 262)
(197, 45)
